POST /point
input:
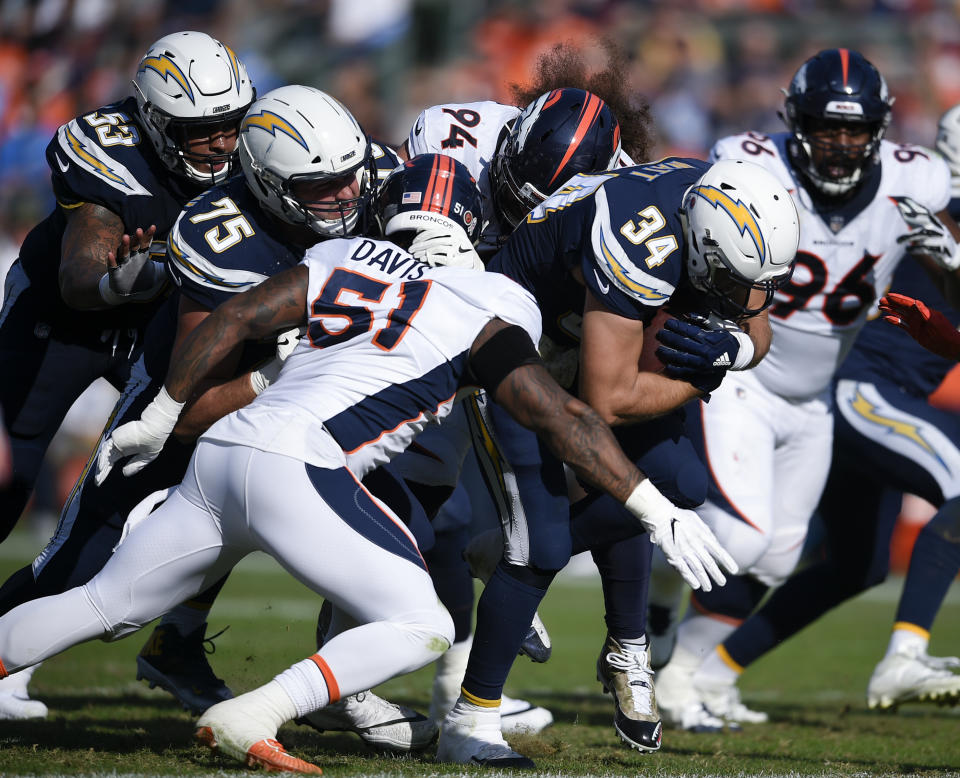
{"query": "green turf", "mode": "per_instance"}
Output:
(103, 722)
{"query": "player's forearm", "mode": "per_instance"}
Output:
(649, 396)
(92, 232)
(213, 400)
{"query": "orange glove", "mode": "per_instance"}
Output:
(931, 329)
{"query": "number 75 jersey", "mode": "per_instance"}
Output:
(846, 258)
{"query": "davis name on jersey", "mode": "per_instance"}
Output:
(846, 257)
(385, 351)
(104, 157)
(622, 232)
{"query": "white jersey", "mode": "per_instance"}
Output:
(845, 259)
(386, 347)
(471, 133)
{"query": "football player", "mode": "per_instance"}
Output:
(309, 173)
(864, 203)
(604, 256)
(91, 275)
(335, 410)
(572, 122)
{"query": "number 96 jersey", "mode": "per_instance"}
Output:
(846, 258)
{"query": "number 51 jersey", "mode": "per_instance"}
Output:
(846, 258)
(387, 345)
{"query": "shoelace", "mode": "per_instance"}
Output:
(209, 647)
(639, 677)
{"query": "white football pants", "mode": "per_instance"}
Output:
(770, 458)
(320, 524)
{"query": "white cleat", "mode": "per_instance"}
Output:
(382, 725)
(245, 729)
(522, 717)
(15, 702)
(471, 735)
(909, 676)
(723, 701)
(681, 706)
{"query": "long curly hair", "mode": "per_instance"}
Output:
(564, 66)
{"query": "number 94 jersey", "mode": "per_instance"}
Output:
(846, 258)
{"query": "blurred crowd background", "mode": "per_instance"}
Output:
(707, 67)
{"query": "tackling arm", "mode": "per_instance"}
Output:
(577, 435)
(92, 233)
(279, 303)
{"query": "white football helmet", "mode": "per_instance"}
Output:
(742, 232)
(948, 140)
(186, 80)
(300, 135)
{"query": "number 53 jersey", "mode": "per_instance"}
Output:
(386, 348)
(846, 258)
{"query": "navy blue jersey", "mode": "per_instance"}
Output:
(621, 229)
(104, 157)
(885, 353)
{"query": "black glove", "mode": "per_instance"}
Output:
(693, 353)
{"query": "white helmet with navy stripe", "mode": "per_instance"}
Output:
(297, 140)
(742, 232)
(188, 85)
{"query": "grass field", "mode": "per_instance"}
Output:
(102, 722)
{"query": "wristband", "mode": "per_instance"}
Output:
(107, 294)
(646, 501)
(746, 352)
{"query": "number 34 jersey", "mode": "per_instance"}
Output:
(386, 348)
(846, 258)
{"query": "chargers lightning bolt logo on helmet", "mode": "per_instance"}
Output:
(740, 214)
(272, 123)
(166, 68)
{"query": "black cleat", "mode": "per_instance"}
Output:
(179, 665)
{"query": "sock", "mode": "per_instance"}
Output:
(272, 704)
(504, 613)
(907, 639)
(718, 668)
(452, 580)
(308, 685)
(634, 645)
(934, 564)
(625, 574)
(699, 634)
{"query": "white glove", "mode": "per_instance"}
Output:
(287, 341)
(137, 278)
(438, 246)
(142, 439)
(928, 235)
(686, 542)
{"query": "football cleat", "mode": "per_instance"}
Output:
(723, 701)
(627, 676)
(382, 725)
(482, 555)
(908, 676)
(536, 643)
(245, 729)
(15, 702)
(522, 717)
(471, 735)
(179, 665)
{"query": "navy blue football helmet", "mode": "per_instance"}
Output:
(834, 89)
(560, 134)
(429, 191)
